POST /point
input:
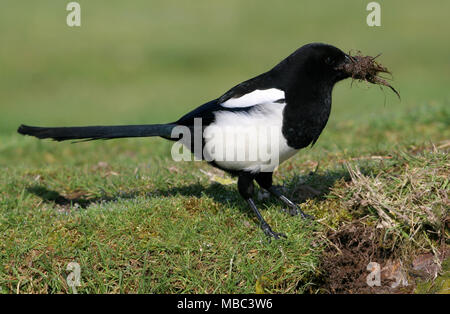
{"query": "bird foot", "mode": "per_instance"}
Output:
(272, 234)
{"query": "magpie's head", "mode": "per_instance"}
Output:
(317, 62)
(319, 66)
(325, 62)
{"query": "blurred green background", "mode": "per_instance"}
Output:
(152, 61)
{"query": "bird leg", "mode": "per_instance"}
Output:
(246, 189)
(264, 179)
(264, 225)
(294, 208)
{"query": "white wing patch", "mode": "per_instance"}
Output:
(257, 97)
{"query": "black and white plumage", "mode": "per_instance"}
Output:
(293, 100)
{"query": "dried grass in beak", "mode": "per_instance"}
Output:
(365, 68)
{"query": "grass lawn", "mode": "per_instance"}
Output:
(138, 222)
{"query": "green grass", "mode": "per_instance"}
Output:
(135, 220)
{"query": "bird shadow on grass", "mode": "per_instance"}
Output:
(299, 189)
(78, 199)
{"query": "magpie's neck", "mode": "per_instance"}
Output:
(308, 107)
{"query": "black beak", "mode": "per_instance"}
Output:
(348, 59)
(343, 67)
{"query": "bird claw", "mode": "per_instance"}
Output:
(272, 234)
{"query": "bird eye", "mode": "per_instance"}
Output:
(329, 60)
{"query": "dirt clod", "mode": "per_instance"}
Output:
(346, 260)
(365, 68)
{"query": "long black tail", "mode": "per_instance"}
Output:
(98, 132)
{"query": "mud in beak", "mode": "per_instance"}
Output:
(364, 68)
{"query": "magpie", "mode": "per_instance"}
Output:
(292, 101)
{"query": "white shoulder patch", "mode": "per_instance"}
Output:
(256, 97)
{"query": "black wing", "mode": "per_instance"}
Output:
(207, 111)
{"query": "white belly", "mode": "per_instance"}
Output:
(250, 141)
